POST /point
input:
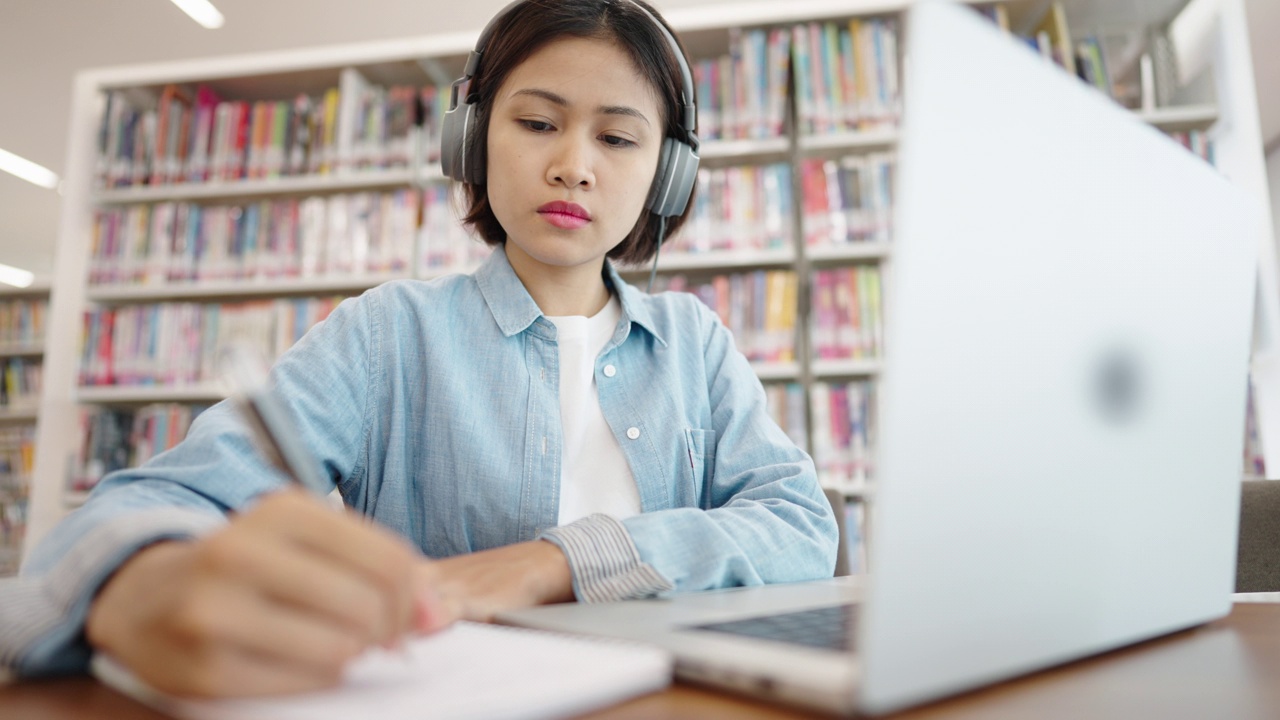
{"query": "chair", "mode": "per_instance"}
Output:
(1258, 552)
(836, 499)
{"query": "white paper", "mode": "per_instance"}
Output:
(470, 670)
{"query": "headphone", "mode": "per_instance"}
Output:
(677, 162)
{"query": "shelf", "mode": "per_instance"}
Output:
(18, 414)
(717, 260)
(432, 273)
(1174, 119)
(75, 498)
(853, 140)
(260, 287)
(852, 251)
(30, 349)
(851, 490)
(299, 185)
(844, 368)
(144, 394)
(39, 286)
(767, 371)
(722, 149)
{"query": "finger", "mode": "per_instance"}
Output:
(383, 558)
(234, 672)
(288, 636)
(432, 612)
(300, 579)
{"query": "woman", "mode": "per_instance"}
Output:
(540, 429)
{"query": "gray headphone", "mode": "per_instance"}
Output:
(677, 162)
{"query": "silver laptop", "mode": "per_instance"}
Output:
(1069, 313)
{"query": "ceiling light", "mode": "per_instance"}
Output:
(202, 11)
(27, 170)
(16, 277)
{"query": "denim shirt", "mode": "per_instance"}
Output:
(434, 408)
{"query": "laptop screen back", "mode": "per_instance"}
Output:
(1068, 309)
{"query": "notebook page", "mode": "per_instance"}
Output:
(470, 670)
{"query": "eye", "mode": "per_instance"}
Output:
(617, 142)
(538, 126)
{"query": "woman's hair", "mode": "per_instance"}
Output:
(526, 29)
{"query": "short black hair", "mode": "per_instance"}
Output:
(528, 27)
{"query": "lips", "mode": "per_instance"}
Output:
(566, 215)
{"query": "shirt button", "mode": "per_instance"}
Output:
(610, 371)
(633, 433)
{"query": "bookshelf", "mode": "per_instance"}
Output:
(709, 31)
(23, 317)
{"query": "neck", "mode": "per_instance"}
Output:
(561, 291)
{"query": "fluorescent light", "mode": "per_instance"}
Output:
(16, 277)
(27, 170)
(202, 11)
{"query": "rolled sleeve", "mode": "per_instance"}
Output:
(42, 617)
(604, 561)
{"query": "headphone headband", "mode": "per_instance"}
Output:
(688, 107)
(678, 158)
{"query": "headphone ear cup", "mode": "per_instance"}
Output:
(455, 140)
(660, 178)
(673, 183)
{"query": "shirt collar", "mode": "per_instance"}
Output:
(514, 309)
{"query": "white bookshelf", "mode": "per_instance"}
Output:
(256, 287)
(145, 394)
(75, 498)
(827, 369)
(848, 253)
(777, 371)
(353, 181)
(738, 150)
(727, 260)
(29, 349)
(705, 29)
(850, 141)
(23, 412)
(18, 414)
(1188, 117)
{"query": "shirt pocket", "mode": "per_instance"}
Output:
(700, 447)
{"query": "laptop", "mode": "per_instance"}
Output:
(1068, 324)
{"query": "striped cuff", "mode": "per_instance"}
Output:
(604, 561)
(42, 618)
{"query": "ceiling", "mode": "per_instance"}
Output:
(44, 42)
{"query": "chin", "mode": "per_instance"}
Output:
(560, 251)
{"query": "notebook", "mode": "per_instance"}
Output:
(470, 670)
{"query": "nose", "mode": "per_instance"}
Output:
(570, 164)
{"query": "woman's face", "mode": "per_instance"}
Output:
(573, 146)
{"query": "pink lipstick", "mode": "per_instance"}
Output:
(565, 215)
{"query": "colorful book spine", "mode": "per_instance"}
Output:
(845, 315)
(169, 344)
(844, 435)
(168, 243)
(786, 405)
(738, 208)
(849, 200)
(758, 307)
(22, 321)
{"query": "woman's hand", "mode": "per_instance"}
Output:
(277, 602)
(479, 585)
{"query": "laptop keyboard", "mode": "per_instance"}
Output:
(829, 628)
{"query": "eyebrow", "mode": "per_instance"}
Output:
(603, 109)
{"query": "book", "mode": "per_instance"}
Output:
(469, 670)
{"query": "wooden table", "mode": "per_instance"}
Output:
(1227, 669)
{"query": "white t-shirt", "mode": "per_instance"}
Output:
(594, 475)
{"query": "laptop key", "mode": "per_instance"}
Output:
(828, 628)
